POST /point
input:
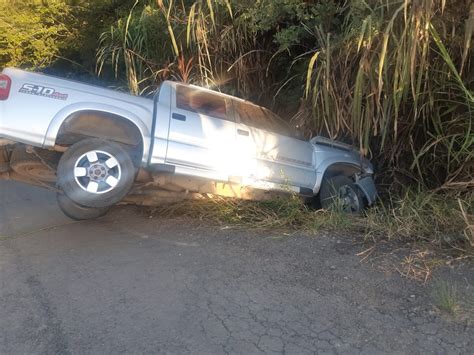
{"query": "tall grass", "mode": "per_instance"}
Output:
(216, 43)
(392, 85)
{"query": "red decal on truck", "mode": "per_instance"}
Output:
(42, 91)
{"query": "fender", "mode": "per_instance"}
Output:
(63, 114)
(321, 169)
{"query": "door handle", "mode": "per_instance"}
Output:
(178, 117)
(242, 132)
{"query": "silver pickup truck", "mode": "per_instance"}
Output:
(97, 147)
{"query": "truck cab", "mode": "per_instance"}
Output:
(204, 133)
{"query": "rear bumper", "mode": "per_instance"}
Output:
(367, 186)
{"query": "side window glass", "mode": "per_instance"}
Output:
(277, 124)
(252, 115)
(190, 99)
(258, 117)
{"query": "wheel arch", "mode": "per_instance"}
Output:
(332, 168)
(99, 121)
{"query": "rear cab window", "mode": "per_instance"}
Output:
(200, 101)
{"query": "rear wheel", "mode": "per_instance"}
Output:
(78, 212)
(96, 173)
(340, 193)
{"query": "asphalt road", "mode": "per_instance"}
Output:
(128, 283)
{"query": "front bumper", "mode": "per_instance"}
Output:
(367, 186)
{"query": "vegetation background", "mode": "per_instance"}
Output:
(393, 78)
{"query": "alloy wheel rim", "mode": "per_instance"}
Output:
(97, 172)
(349, 199)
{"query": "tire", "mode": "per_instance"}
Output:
(78, 212)
(96, 173)
(340, 193)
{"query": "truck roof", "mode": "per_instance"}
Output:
(208, 90)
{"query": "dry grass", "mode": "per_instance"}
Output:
(419, 265)
(290, 214)
(286, 213)
(425, 216)
(420, 217)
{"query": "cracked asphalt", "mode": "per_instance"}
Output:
(128, 283)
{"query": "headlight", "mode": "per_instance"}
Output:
(367, 166)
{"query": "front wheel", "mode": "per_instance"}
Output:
(341, 194)
(96, 173)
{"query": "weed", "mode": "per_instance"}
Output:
(283, 213)
(445, 297)
(425, 216)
